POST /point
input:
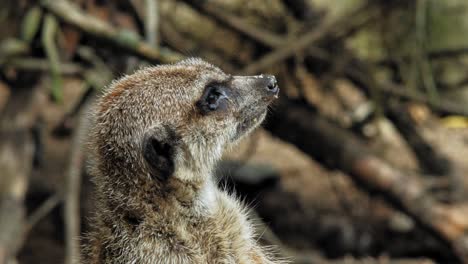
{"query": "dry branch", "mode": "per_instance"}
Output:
(34, 64)
(251, 32)
(45, 208)
(431, 161)
(16, 154)
(72, 194)
(292, 47)
(16, 159)
(362, 77)
(441, 105)
(12, 47)
(236, 23)
(339, 148)
(123, 39)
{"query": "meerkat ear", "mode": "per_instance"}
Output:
(159, 147)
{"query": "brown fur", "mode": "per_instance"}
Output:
(143, 217)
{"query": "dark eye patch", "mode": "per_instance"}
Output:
(214, 98)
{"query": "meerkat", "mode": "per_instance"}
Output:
(156, 138)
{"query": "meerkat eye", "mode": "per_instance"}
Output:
(213, 99)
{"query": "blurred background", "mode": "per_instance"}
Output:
(363, 159)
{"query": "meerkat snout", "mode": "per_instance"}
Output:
(157, 136)
(272, 85)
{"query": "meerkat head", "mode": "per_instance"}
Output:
(176, 120)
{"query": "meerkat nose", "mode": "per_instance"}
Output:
(272, 84)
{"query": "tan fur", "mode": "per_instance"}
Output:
(186, 218)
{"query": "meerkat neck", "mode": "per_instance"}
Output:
(199, 187)
(205, 200)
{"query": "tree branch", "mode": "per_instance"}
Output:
(291, 47)
(238, 24)
(123, 39)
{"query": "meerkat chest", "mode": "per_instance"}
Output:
(214, 228)
(227, 233)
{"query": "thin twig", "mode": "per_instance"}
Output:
(48, 40)
(12, 47)
(44, 209)
(425, 65)
(35, 64)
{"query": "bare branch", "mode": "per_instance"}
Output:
(236, 23)
(72, 194)
(292, 47)
(34, 64)
(43, 210)
(124, 39)
(16, 159)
